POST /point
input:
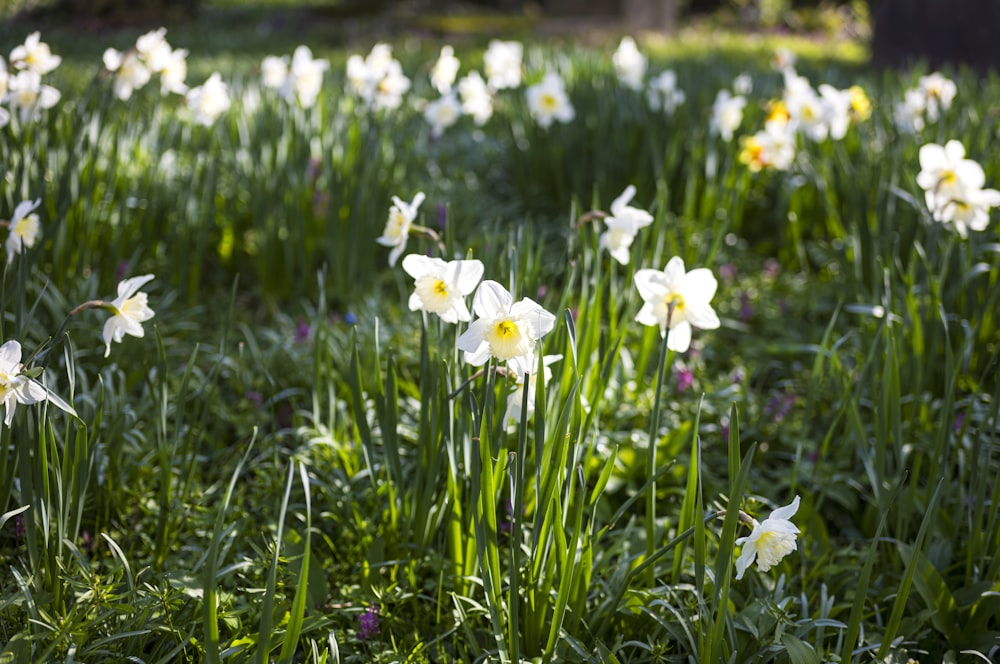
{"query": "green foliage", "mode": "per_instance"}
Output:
(290, 466)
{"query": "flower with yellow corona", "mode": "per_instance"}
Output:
(769, 541)
(548, 101)
(441, 287)
(130, 310)
(15, 387)
(397, 226)
(24, 228)
(676, 300)
(503, 329)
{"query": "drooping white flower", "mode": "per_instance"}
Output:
(305, 77)
(130, 309)
(445, 70)
(24, 228)
(174, 72)
(953, 187)
(548, 101)
(727, 114)
(209, 100)
(503, 329)
(154, 50)
(677, 298)
(939, 91)
(769, 541)
(663, 93)
(130, 72)
(15, 387)
(34, 55)
(629, 63)
(441, 287)
(521, 367)
(442, 113)
(28, 96)
(397, 226)
(502, 61)
(477, 100)
(274, 70)
(624, 222)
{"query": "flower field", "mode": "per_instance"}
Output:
(500, 350)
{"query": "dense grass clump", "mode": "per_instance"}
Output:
(280, 448)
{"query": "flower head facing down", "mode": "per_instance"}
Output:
(441, 287)
(677, 300)
(503, 329)
(624, 222)
(130, 310)
(630, 64)
(15, 387)
(24, 228)
(397, 226)
(769, 541)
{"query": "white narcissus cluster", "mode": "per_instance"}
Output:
(23, 90)
(378, 78)
(152, 54)
(953, 187)
(925, 103)
(301, 80)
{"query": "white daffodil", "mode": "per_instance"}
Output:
(274, 71)
(909, 113)
(771, 147)
(397, 226)
(521, 367)
(130, 310)
(305, 77)
(154, 49)
(663, 93)
(939, 91)
(441, 287)
(390, 89)
(442, 113)
(679, 299)
(477, 100)
(782, 60)
(624, 222)
(946, 175)
(839, 105)
(27, 94)
(549, 102)
(807, 111)
(15, 387)
(208, 101)
(503, 329)
(130, 72)
(769, 541)
(24, 227)
(34, 55)
(4, 79)
(629, 63)
(743, 84)
(502, 61)
(445, 70)
(174, 72)
(727, 114)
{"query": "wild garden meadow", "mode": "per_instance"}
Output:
(502, 350)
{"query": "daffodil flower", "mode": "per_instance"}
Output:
(548, 101)
(769, 541)
(34, 55)
(624, 222)
(130, 310)
(677, 299)
(522, 367)
(397, 226)
(15, 387)
(441, 287)
(24, 229)
(503, 329)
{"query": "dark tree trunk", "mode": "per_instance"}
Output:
(937, 31)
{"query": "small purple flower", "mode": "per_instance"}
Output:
(958, 423)
(121, 270)
(728, 272)
(779, 406)
(442, 216)
(256, 397)
(19, 529)
(368, 623)
(738, 376)
(540, 295)
(301, 332)
(772, 268)
(685, 379)
(746, 310)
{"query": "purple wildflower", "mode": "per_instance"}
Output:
(256, 397)
(301, 332)
(368, 623)
(746, 310)
(685, 379)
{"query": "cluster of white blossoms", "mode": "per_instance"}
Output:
(300, 79)
(817, 114)
(662, 93)
(378, 78)
(953, 187)
(925, 103)
(21, 87)
(151, 55)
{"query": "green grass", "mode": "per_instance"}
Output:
(289, 449)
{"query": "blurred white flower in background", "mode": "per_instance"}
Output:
(477, 99)
(622, 226)
(548, 101)
(502, 62)
(24, 228)
(663, 93)
(629, 63)
(445, 70)
(727, 114)
(442, 113)
(34, 55)
(209, 100)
